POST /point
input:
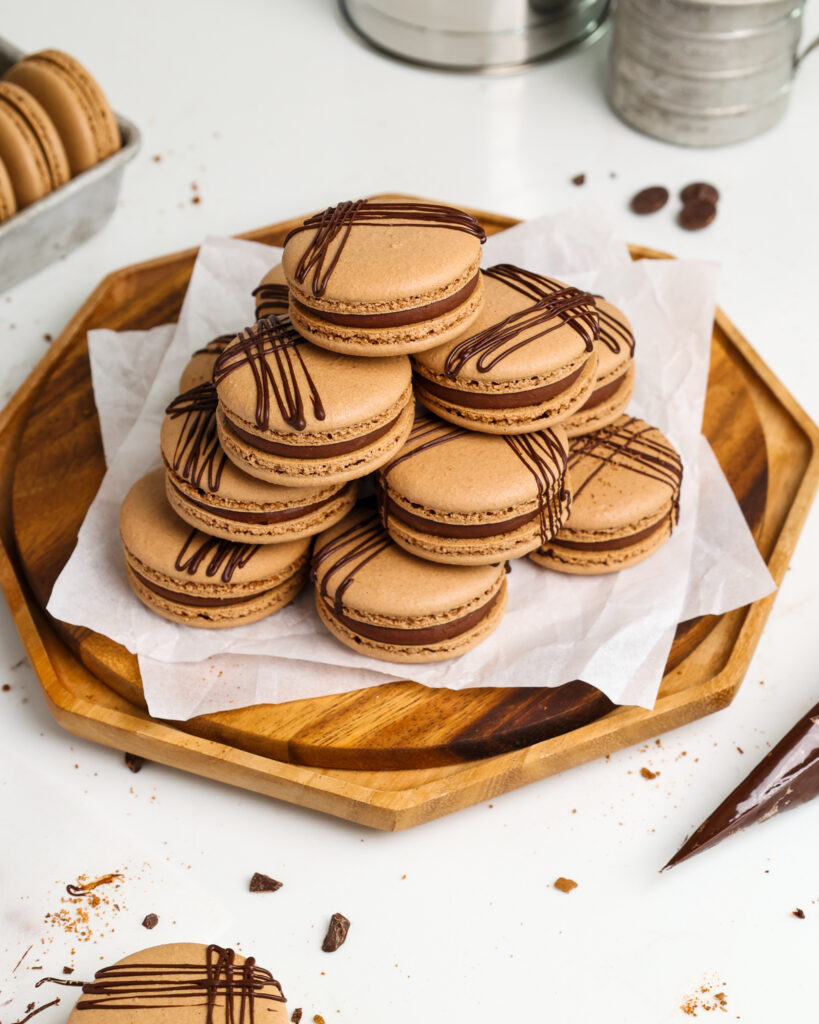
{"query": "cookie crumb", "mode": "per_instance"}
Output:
(647, 773)
(48, 338)
(150, 921)
(799, 913)
(564, 884)
(579, 179)
(196, 199)
(6, 687)
(295, 1017)
(134, 762)
(264, 883)
(68, 970)
(336, 933)
(157, 159)
(318, 1019)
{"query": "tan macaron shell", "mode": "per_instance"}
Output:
(358, 397)
(394, 590)
(174, 1008)
(29, 146)
(625, 483)
(75, 102)
(8, 203)
(543, 360)
(271, 294)
(461, 480)
(200, 366)
(216, 512)
(387, 268)
(156, 541)
(614, 380)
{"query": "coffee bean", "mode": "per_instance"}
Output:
(650, 200)
(699, 190)
(697, 214)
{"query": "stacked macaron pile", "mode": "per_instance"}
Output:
(55, 123)
(523, 448)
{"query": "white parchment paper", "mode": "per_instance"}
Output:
(613, 631)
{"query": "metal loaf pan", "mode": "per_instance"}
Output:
(58, 222)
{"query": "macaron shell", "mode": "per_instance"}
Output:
(200, 365)
(404, 340)
(75, 102)
(544, 356)
(154, 537)
(183, 1011)
(594, 563)
(520, 420)
(270, 304)
(302, 471)
(8, 203)
(29, 146)
(210, 522)
(414, 655)
(585, 421)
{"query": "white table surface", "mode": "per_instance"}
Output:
(272, 108)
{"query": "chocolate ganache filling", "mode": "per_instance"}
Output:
(497, 399)
(239, 516)
(197, 600)
(313, 451)
(614, 543)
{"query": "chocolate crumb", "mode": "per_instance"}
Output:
(30, 1007)
(579, 179)
(697, 214)
(295, 1017)
(156, 158)
(650, 200)
(740, 750)
(6, 687)
(647, 773)
(799, 913)
(565, 884)
(196, 199)
(68, 970)
(48, 337)
(264, 883)
(150, 921)
(134, 762)
(336, 933)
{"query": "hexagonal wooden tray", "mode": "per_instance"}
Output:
(759, 434)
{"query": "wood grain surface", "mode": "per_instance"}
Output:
(390, 727)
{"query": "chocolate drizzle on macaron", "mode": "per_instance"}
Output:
(198, 456)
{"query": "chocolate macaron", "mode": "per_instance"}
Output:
(74, 102)
(299, 416)
(384, 277)
(458, 497)
(181, 983)
(522, 366)
(8, 202)
(200, 367)
(625, 482)
(206, 490)
(271, 295)
(30, 147)
(186, 576)
(380, 600)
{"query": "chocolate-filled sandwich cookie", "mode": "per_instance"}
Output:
(181, 983)
(189, 577)
(200, 366)
(455, 496)
(384, 602)
(625, 483)
(297, 415)
(209, 492)
(271, 295)
(384, 277)
(522, 366)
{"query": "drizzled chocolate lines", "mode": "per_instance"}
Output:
(333, 226)
(270, 299)
(363, 542)
(489, 346)
(215, 347)
(165, 986)
(545, 458)
(198, 456)
(271, 348)
(632, 450)
(613, 334)
(225, 555)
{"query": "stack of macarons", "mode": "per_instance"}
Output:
(55, 123)
(522, 447)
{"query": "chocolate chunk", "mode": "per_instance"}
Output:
(579, 179)
(650, 199)
(565, 884)
(799, 913)
(150, 921)
(68, 970)
(697, 214)
(296, 1016)
(336, 933)
(264, 883)
(134, 762)
(699, 190)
